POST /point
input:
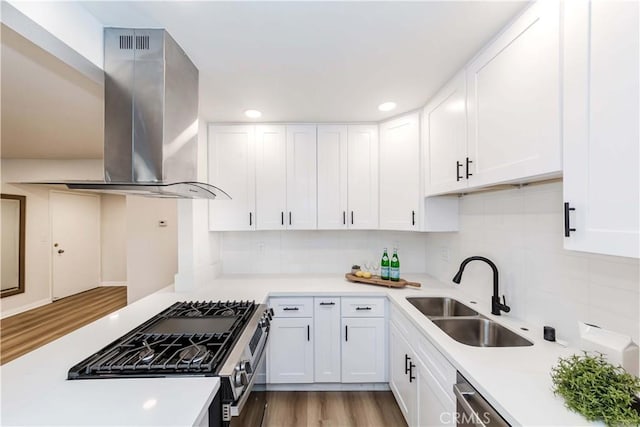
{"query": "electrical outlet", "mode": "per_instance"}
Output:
(444, 254)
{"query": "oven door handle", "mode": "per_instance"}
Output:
(236, 407)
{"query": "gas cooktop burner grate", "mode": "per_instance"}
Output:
(188, 338)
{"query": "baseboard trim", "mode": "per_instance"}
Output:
(18, 310)
(113, 283)
(323, 387)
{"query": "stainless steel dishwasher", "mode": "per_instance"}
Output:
(472, 409)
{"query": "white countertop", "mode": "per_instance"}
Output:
(35, 391)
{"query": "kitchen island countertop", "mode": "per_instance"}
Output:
(35, 391)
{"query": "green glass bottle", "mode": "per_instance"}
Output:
(395, 266)
(384, 265)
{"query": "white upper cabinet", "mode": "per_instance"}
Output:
(301, 178)
(400, 173)
(271, 177)
(232, 168)
(444, 135)
(601, 127)
(362, 176)
(514, 100)
(332, 177)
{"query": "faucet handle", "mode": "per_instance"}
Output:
(505, 307)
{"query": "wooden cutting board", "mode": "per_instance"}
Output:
(377, 280)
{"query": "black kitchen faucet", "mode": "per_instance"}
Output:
(496, 305)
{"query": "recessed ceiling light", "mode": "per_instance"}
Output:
(387, 106)
(253, 114)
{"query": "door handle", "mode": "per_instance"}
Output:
(344, 218)
(411, 366)
(458, 166)
(308, 333)
(413, 217)
(281, 218)
(351, 217)
(346, 332)
(567, 223)
(406, 363)
(60, 251)
(289, 217)
(250, 219)
(467, 168)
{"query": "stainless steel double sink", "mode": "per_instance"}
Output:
(466, 325)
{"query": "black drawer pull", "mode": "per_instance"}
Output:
(468, 163)
(346, 332)
(344, 218)
(351, 217)
(411, 377)
(308, 333)
(363, 308)
(567, 223)
(250, 219)
(406, 363)
(328, 303)
(289, 217)
(458, 166)
(413, 217)
(281, 218)
(290, 309)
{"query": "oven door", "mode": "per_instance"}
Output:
(251, 407)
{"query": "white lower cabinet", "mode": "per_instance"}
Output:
(363, 350)
(326, 318)
(435, 407)
(420, 378)
(290, 349)
(310, 342)
(401, 384)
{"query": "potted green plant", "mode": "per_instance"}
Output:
(593, 387)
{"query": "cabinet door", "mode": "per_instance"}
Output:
(400, 173)
(514, 101)
(435, 407)
(290, 350)
(400, 355)
(232, 168)
(444, 130)
(363, 350)
(601, 128)
(332, 177)
(326, 317)
(362, 177)
(301, 178)
(271, 177)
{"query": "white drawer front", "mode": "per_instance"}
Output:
(363, 307)
(292, 306)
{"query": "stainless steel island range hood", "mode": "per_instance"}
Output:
(151, 118)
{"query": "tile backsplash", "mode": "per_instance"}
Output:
(521, 231)
(293, 252)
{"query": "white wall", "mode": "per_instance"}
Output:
(38, 232)
(521, 230)
(113, 232)
(333, 252)
(152, 255)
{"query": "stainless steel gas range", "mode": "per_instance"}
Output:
(225, 339)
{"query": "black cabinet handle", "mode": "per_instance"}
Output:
(327, 303)
(458, 166)
(344, 218)
(411, 377)
(468, 163)
(351, 217)
(406, 363)
(413, 217)
(363, 308)
(281, 218)
(250, 219)
(567, 223)
(289, 217)
(308, 333)
(290, 309)
(346, 332)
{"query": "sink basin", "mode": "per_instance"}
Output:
(441, 307)
(479, 332)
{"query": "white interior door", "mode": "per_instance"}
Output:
(75, 242)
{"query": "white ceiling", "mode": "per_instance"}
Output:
(294, 61)
(317, 61)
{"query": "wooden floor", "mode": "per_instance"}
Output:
(326, 408)
(27, 331)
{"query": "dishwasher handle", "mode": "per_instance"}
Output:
(477, 411)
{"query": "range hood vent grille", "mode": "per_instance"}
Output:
(126, 42)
